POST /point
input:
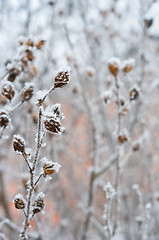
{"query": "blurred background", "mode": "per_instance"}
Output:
(84, 35)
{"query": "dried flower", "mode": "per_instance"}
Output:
(13, 73)
(4, 118)
(39, 44)
(8, 91)
(90, 71)
(52, 119)
(128, 65)
(19, 144)
(50, 167)
(123, 136)
(62, 78)
(29, 55)
(19, 202)
(27, 92)
(134, 94)
(148, 22)
(38, 204)
(114, 66)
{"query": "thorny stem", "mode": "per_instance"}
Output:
(32, 175)
(117, 179)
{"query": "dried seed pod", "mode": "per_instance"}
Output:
(136, 146)
(90, 71)
(53, 126)
(128, 65)
(122, 138)
(19, 202)
(4, 118)
(8, 91)
(13, 73)
(52, 119)
(39, 44)
(38, 204)
(27, 92)
(32, 71)
(29, 43)
(50, 167)
(29, 55)
(134, 94)
(19, 144)
(62, 78)
(114, 66)
(148, 22)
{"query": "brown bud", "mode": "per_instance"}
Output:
(27, 92)
(13, 73)
(122, 138)
(136, 146)
(4, 118)
(62, 78)
(48, 169)
(53, 126)
(148, 22)
(38, 204)
(19, 144)
(134, 94)
(114, 66)
(90, 71)
(8, 91)
(19, 202)
(29, 43)
(39, 44)
(29, 55)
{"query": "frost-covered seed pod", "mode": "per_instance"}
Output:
(122, 138)
(114, 66)
(38, 204)
(50, 167)
(148, 22)
(128, 65)
(19, 144)
(29, 55)
(19, 202)
(62, 78)
(4, 118)
(13, 73)
(39, 44)
(8, 91)
(27, 92)
(134, 94)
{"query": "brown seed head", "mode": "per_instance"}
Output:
(19, 202)
(13, 73)
(134, 94)
(48, 169)
(122, 138)
(4, 118)
(19, 144)
(38, 204)
(8, 91)
(29, 55)
(114, 66)
(39, 44)
(27, 92)
(62, 78)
